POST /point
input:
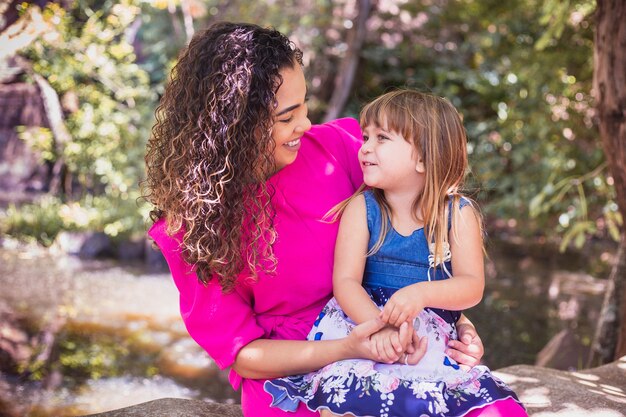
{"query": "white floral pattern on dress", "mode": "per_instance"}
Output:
(435, 387)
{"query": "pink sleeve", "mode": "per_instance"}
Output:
(350, 141)
(221, 323)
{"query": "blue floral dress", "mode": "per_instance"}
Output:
(436, 386)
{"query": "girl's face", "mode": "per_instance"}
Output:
(290, 116)
(389, 162)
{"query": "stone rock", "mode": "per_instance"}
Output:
(175, 407)
(131, 250)
(86, 245)
(155, 261)
(96, 245)
(597, 392)
(20, 105)
(15, 347)
(8, 408)
(564, 351)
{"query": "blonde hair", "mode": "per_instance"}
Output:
(434, 128)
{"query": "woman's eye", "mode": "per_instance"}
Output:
(286, 120)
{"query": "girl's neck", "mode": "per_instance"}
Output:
(403, 216)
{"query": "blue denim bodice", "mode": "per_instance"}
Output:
(401, 260)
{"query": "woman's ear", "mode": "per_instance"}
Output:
(419, 167)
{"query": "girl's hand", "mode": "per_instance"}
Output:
(403, 306)
(386, 344)
(468, 350)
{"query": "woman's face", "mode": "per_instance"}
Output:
(290, 116)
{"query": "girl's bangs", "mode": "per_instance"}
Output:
(387, 113)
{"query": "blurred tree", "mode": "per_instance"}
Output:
(347, 69)
(527, 106)
(609, 85)
(99, 106)
(524, 91)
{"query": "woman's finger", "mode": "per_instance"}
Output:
(420, 351)
(395, 342)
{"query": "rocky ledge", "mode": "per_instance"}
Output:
(597, 392)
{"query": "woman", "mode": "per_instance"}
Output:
(240, 181)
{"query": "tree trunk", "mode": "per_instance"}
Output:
(609, 338)
(347, 69)
(609, 88)
(187, 19)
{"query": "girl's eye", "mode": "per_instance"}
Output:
(365, 138)
(382, 137)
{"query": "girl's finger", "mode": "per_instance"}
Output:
(393, 317)
(387, 312)
(402, 318)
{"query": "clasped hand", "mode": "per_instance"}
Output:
(398, 344)
(390, 344)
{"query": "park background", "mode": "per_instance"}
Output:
(87, 309)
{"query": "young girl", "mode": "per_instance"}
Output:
(409, 250)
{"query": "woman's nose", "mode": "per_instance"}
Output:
(306, 124)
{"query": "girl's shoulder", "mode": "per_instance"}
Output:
(460, 201)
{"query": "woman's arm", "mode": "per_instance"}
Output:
(264, 358)
(350, 255)
(463, 290)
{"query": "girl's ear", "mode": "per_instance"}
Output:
(419, 167)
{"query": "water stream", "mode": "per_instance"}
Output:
(115, 337)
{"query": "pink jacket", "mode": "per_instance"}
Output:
(283, 306)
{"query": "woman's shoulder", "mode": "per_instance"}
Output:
(344, 125)
(336, 131)
(165, 241)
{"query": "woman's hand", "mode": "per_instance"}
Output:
(359, 344)
(416, 350)
(386, 344)
(468, 350)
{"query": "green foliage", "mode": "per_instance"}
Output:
(83, 358)
(108, 105)
(82, 355)
(39, 139)
(41, 221)
(520, 72)
(90, 60)
(121, 217)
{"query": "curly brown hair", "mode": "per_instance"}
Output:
(211, 149)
